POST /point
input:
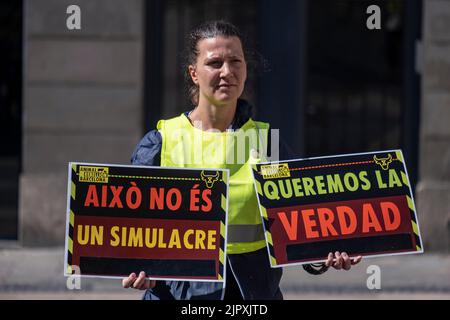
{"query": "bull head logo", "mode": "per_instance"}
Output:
(210, 179)
(383, 162)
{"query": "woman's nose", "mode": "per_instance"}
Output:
(226, 70)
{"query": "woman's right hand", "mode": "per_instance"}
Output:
(139, 283)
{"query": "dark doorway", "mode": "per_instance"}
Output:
(363, 90)
(10, 114)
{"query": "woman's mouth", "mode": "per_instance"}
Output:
(226, 85)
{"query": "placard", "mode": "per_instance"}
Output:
(169, 222)
(361, 204)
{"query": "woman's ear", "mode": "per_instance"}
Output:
(193, 74)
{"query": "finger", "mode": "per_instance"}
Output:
(329, 261)
(338, 264)
(347, 264)
(140, 281)
(127, 282)
(356, 260)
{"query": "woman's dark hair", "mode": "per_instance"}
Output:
(207, 30)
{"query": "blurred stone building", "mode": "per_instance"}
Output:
(433, 190)
(331, 85)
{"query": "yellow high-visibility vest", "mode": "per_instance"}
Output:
(184, 145)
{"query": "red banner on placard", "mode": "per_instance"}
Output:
(338, 220)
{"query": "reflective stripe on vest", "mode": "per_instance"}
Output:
(246, 232)
(179, 139)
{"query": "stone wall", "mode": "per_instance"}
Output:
(82, 102)
(433, 190)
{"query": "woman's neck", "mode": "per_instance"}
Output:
(207, 115)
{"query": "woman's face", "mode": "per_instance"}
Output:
(221, 69)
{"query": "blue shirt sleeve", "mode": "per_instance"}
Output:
(148, 150)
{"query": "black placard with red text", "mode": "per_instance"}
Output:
(169, 222)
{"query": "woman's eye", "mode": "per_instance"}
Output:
(215, 64)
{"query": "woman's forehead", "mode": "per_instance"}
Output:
(220, 46)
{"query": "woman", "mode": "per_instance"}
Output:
(217, 68)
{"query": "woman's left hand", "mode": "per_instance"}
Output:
(341, 260)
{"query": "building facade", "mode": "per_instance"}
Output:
(89, 95)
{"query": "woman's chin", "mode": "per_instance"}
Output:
(222, 99)
(225, 98)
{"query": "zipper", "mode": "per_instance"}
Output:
(235, 278)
